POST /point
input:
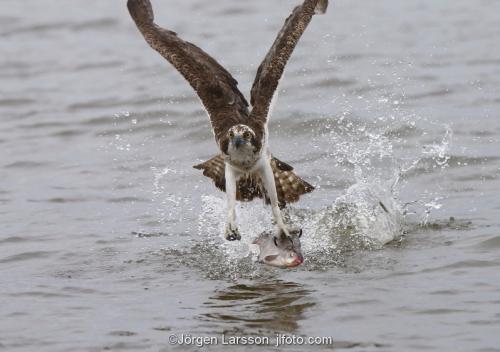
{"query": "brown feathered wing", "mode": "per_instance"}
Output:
(214, 85)
(272, 67)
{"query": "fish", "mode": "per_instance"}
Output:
(281, 251)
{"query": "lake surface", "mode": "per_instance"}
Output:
(110, 240)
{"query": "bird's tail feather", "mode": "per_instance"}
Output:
(289, 186)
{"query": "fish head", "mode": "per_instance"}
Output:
(282, 251)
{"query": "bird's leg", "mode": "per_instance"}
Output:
(270, 186)
(231, 232)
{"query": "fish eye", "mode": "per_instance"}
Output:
(292, 254)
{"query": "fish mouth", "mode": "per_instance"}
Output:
(296, 262)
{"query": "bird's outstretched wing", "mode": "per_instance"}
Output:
(271, 69)
(214, 85)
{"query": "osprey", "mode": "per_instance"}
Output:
(245, 168)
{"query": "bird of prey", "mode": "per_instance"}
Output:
(245, 168)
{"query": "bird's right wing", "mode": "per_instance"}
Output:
(214, 85)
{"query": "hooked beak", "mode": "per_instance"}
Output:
(237, 141)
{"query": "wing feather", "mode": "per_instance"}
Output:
(272, 67)
(215, 86)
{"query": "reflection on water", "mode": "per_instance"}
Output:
(273, 306)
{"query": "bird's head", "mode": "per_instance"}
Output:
(241, 138)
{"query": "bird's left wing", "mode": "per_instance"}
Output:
(272, 67)
(214, 85)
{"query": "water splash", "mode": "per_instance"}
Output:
(168, 201)
(365, 217)
(368, 215)
(439, 152)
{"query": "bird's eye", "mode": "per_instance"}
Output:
(292, 255)
(231, 134)
(275, 242)
(246, 135)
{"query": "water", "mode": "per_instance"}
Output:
(110, 240)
